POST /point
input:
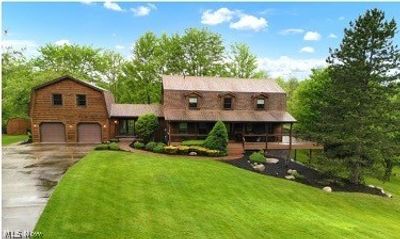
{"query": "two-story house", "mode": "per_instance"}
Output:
(253, 110)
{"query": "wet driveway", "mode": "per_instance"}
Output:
(30, 173)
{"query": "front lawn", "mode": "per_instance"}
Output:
(10, 139)
(141, 195)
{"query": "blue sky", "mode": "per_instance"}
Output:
(288, 38)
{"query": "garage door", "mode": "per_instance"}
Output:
(89, 133)
(52, 132)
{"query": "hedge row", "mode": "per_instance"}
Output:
(181, 150)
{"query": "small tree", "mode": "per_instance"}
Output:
(217, 138)
(146, 126)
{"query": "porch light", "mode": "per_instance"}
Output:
(34, 125)
(104, 126)
(115, 122)
(70, 126)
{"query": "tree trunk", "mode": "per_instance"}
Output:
(388, 170)
(355, 176)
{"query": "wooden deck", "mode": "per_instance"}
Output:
(284, 144)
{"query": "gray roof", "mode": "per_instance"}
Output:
(197, 83)
(135, 110)
(228, 115)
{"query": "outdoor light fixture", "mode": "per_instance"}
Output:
(34, 126)
(70, 126)
(104, 126)
(115, 122)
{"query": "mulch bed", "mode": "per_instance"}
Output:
(310, 177)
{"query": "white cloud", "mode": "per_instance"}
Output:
(18, 44)
(142, 11)
(87, 2)
(218, 16)
(62, 42)
(249, 22)
(312, 36)
(332, 36)
(112, 6)
(291, 31)
(289, 67)
(307, 49)
(341, 18)
(119, 47)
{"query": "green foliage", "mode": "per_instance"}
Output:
(107, 146)
(159, 148)
(138, 145)
(183, 149)
(257, 157)
(11, 139)
(217, 138)
(192, 142)
(146, 126)
(242, 63)
(151, 145)
(170, 149)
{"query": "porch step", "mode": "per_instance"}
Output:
(235, 149)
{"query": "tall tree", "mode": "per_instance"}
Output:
(242, 63)
(364, 71)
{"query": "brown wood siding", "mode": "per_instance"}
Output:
(175, 99)
(43, 110)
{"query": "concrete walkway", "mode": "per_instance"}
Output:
(30, 173)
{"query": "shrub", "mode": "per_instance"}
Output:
(192, 142)
(199, 150)
(170, 149)
(217, 138)
(159, 148)
(150, 145)
(114, 140)
(113, 146)
(257, 157)
(182, 149)
(138, 145)
(213, 153)
(146, 126)
(101, 147)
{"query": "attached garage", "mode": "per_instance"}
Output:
(53, 132)
(89, 133)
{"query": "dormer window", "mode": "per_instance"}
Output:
(260, 104)
(193, 102)
(81, 100)
(228, 103)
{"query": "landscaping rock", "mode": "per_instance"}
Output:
(192, 154)
(327, 189)
(371, 186)
(290, 177)
(259, 167)
(389, 195)
(292, 171)
(272, 160)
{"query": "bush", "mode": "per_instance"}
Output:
(151, 145)
(113, 146)
(138, 145)
(257, 157)
(217, 138)
(146, 126)
(101, 147)
(114, 140)
(159, 148)
(182, 149)
(170, 149)
(192, 142)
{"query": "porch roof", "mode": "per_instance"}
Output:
(228, 115)
(135, 110)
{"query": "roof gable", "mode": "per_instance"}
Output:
(221, 84)
(67, 77)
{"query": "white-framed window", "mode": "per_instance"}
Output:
(193, 102)
(260, 104)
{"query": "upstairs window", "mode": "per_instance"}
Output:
(81, 100)
(193, 102)
(57, 99)
(227, 103)
(260, 104)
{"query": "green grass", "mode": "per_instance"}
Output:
(194, 142)
(112, 194)
(10, 139)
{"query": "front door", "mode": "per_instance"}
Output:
(126, 127)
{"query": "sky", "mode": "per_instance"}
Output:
(289, 39)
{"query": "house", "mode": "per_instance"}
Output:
(254, 111)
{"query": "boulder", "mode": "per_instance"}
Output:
(259, 167)
(272, 160)
(371, 186)
(192, 154)
(290, 177)
(327, 189)
(292, 171)
(389, 195)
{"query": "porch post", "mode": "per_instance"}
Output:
(266, 135)
(290, 139)
(169, 132)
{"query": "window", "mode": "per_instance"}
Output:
(260, 104)
(57, 99)
(183, 128)
(227, 103)
(193, 102)
(81, 100)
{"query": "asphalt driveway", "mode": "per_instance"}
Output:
(30, 173)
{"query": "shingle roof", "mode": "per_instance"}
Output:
(228, 115)
(197, 83)
(135, 110)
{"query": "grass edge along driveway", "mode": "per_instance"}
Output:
(11, 139)
(135, 195)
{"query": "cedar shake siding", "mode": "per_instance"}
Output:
(43, 112)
